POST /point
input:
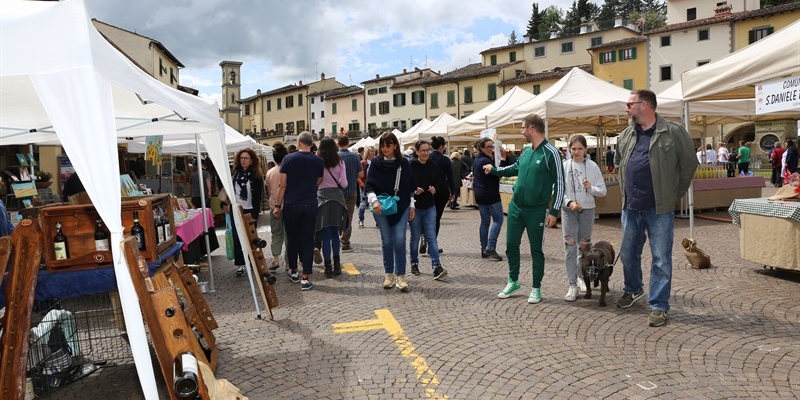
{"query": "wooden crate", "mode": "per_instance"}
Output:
(78, 224)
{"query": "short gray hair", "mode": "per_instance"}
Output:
(306, 138)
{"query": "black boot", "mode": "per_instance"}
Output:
(328, 269)
(337, 266)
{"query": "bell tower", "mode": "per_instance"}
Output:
(231, 93)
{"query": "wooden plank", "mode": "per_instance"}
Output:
(264, 277)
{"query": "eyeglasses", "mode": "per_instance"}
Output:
(522, 128)
(388, 144)
(491, 146)
(244, 158)
(629, 105)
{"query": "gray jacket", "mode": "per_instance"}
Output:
(672, 162)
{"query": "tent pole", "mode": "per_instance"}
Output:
(203, 207)
(690, 192)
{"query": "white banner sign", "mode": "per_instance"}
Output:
(780, 95)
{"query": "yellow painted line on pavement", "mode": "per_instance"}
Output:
(386, 321)
(350, 269)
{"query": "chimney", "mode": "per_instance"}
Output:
(724, 9)
(416, 68)
(617, 22)
(553, 33)
(377, 76)
(404, 71)
(322, 76)
(258, 92)
(300, 84)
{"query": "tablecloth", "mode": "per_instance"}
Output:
(192, 227)
(764, 207)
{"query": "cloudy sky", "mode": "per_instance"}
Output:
(282, 42)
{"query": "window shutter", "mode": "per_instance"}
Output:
(770, 30)
(614, 55)
(602, 58)
(751, 37)
(633, 53)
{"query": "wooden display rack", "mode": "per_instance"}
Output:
(259, 263)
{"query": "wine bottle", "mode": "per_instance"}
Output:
(167, 225)
(137, 231)
(60, 244)
(185, 373)
(159, 227)
(101, 237)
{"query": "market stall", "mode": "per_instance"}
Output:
(767, 230)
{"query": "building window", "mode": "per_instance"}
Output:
(537, 89)
(399, 99)
(301, 126)
(162, 70)
(333, 128)
(451, 98)
(373, 109)
(597, 41)
(566, 47)
(627, 84)
(666, 73)
(333, 109)
(269, 105)
(299, 100)
(538, 51)
(418, 97)
(383, 107)
(702, 34)
(608, 57)
(289, 101)
(312, 115)
(322, 114)
(757, 34)
(512, 56)
(312, 100)
(468, 94)
(382, 89)
(434, 100)
(703, 62)
(354, 127)
(372, 91)
(627, 54)
(666, 41)
(278, 105)
(279, 128)
(384, 124)
(354, 105)
(247, 109)
(493, 59)
(691, 14)
(492, 89)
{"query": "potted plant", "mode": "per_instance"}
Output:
(43, 179)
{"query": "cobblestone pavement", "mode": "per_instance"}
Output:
(733, 331)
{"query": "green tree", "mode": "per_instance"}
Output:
(609, 11)
(512, 39)
(552, 19)
(536, 20)
(770, 3)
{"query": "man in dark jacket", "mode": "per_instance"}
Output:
(444, 193)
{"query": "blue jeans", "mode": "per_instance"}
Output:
(489, 213)
(659, 228)
(330, 242)
(300, 235)
(393, 243)
(362, 206)
(424, 222)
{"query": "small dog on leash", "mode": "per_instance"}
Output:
(597, 264)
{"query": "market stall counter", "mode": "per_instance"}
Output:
(189, 229)
(769, 231)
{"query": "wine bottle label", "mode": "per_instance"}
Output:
(101, 245)
(189, 363)
(61, 250)
(161, 234)
(167, 231)
(139, 240)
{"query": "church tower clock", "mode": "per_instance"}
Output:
(231, 93)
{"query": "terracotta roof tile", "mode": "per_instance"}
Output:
(555, 73)
(470, 71)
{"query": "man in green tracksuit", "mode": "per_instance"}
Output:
(540, 180)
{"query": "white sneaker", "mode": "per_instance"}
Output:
(581, 285)
(572, 293)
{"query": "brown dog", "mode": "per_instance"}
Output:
(597, 264)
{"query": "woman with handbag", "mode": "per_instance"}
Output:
(390, 189)
(332, 214)
(248, 186)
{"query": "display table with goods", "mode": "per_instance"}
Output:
(769, 230)
(713, 190)
(467, 195)
(507, 191)
(189, 229)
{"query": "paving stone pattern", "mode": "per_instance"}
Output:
(733, 331)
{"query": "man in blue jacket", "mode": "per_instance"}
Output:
(540, 180)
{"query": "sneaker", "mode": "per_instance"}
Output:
(293, 276)
(581, 285)
(483, 254)
(511, 288)
(628, 299)
(402, 284)
(348, 249)
(275, 265)
(306, 284)
(439, 272)
(388, 282)
(493, 255)
(360, 224)
(317, 256)
(415, 269)
(423, 247)
(441, 250)
(328, 270)
(240, 270)
(572, 293)
(657, 318)
(536, 296)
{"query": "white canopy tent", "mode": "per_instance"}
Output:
(437, 127)
(578, 102)
(175, 144)
(735, 75)
(474, 123)
(404, 137)
(78, 89)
